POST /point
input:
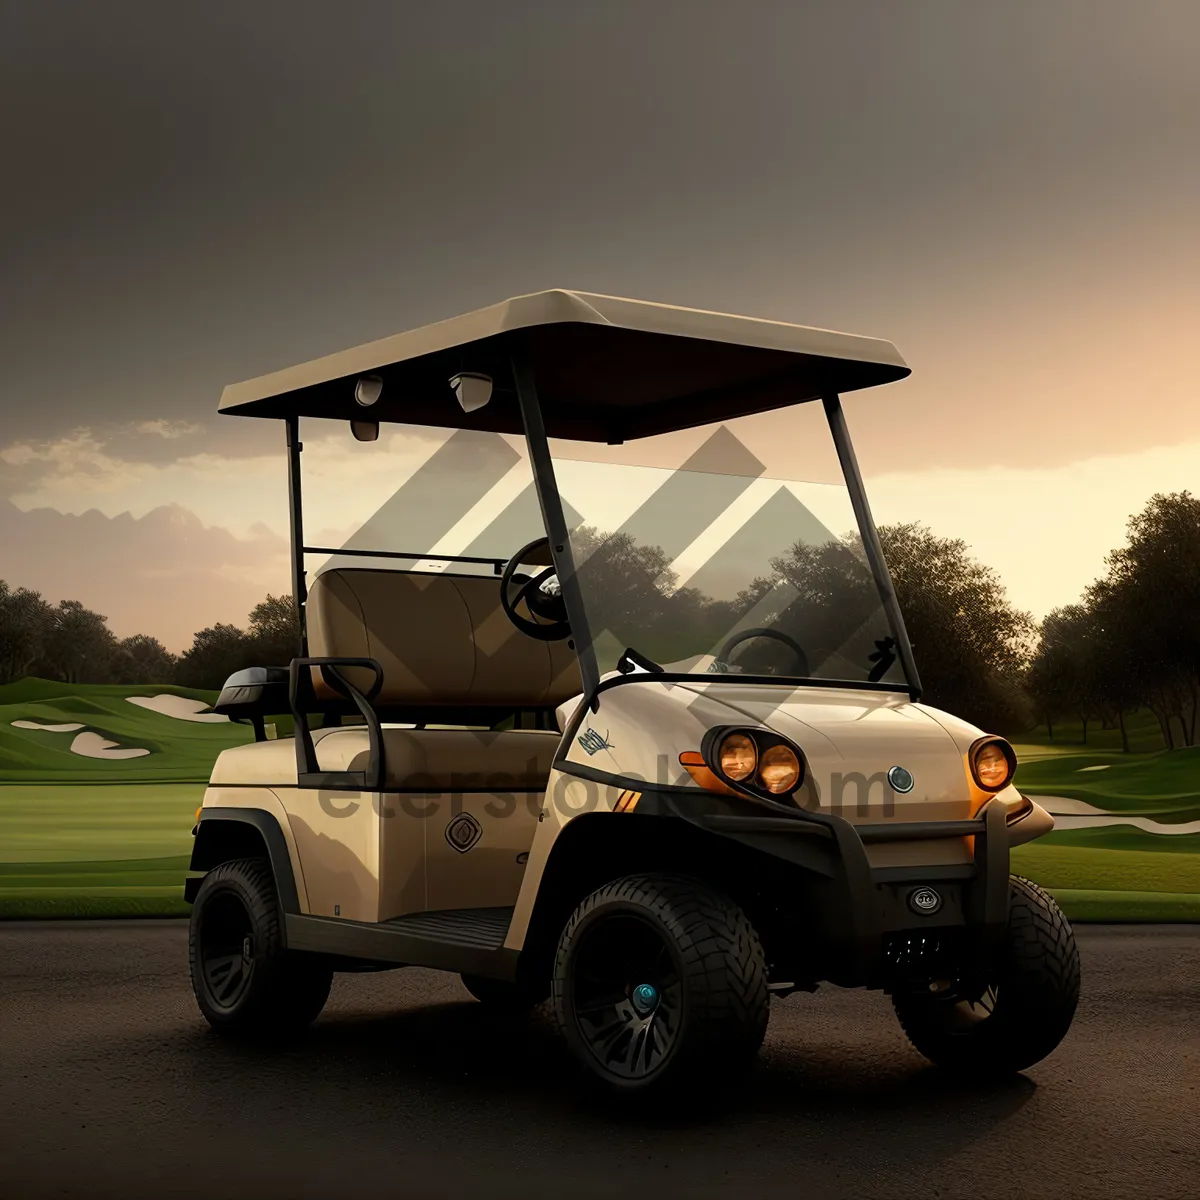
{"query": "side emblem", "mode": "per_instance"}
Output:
(591, 741)
(925, 901)
(900, 779)
(463, 832)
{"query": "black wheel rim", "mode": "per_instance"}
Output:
(627, 999)
(966, 1015)
(226, 938)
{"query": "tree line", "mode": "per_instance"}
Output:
(69, 642)
(1131, 642)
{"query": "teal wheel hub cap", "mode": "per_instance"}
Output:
(645, 998)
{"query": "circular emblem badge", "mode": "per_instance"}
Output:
(900, 779)
(463, 832)
(924, 900)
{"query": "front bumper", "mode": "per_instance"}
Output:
(873, 917)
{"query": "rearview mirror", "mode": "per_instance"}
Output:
(365, 431)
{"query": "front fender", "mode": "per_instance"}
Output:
(257, 809)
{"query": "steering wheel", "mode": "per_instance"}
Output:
(548, 605)
(790, 642)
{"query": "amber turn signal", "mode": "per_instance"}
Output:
(693, 762)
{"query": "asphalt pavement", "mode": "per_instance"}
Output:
(112, 1085)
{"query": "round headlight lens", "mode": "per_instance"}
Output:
(738, 756)
(779, 769)
(993, 768)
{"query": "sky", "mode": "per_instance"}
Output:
(196, 194)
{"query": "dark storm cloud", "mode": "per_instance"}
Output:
(101, 447)
(199, 193)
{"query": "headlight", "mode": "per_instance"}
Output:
(779, 768)
(993, 764)
(738, 756)
(745, 761)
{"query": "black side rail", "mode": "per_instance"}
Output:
(302, 698)
(497, 564)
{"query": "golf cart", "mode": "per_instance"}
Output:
(595, 708)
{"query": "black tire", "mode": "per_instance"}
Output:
(1032, 999)
(244, 981)
(705, 1014)
(501, 996)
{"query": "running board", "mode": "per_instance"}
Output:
(469, 941)
(480, 928)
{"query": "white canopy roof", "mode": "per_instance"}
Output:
(607, 368)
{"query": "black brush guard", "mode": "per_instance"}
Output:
(872, 903)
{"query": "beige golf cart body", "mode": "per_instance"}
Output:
(491, 778)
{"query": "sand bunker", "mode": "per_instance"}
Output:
(92, 745)
(1078, 814)
(179, 707)
(88, 745)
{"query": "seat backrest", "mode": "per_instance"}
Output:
(441, 640)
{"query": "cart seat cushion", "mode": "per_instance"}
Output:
(441, 640)
(428, 760)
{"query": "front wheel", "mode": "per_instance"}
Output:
(1024, 1012)
(660, 983)
(244, 981)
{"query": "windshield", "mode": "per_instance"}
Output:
(718, 564)
(417, 499)
(724, 571)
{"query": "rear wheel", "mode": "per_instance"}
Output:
(659, 984)
(244, 981)
(1025, 1011)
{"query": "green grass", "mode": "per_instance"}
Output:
(132, 887)
(84, 837)
(40, 906)
(180, 751)
(1105, 864)
(139, 874)
(95, 850)
(1116, 873)
(1089, 905)
(39, 691)
(115, 821)
(1149, 781)
(1120, 837)
(1165, 785)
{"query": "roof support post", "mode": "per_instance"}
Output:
(552, 516)
(870, 537)
(296, 511)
